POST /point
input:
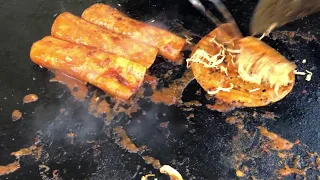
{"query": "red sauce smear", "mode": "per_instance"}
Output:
(77, 88)
(30, 98)
(277, 142)
(10, 168)
(16, 115)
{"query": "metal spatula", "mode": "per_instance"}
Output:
(270, 14)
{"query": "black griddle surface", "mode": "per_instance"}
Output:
(199, 148)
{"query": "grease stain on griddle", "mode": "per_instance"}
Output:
(77, 88)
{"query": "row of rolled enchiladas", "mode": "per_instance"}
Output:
(105, 48)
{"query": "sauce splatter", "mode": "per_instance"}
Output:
(318, 162)
(71, 135)
(103, 108)
(192, 103)
(277, 142)
(77, 88)
(172, 94)
(190, 116)
(30, 151)
(124, 141)
(283, 155)
(164, 124)
(239, 173)
(286, 171)
(220, 107)
(99, 109)
(30, 98)
(269, 115)
(151, 80)
(16, 115)
(151, 160)
(10, 168)
(233, 120)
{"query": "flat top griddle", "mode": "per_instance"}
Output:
(199, 148)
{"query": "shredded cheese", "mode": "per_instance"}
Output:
(213, 61)
(147, 176)
(304, 61)
(170, 171)
(260, 70)
(239, 173)
(221, 89)
(225, 70)
(188, 39)
(68, 59)
(250, 68)
(208, 61)
(299, 73)
(308, 77)
(253, 90)
(308, 73)
(262, 36)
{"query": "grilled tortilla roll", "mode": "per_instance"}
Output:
(169, 45)
(113, 74)
(71, 28)
(236, 90)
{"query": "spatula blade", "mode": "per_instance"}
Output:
(280, 12)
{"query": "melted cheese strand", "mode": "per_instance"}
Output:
(253, 90)
(221, 89)
(299, 73)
